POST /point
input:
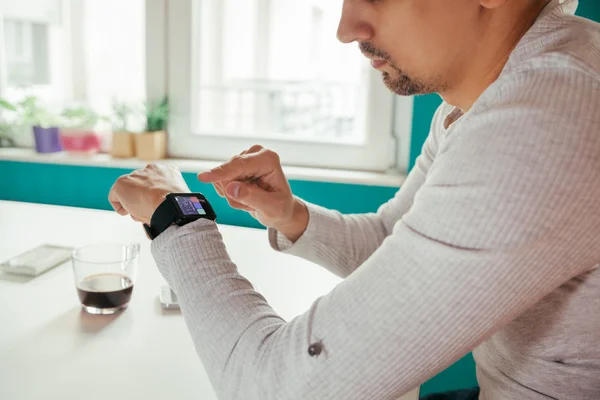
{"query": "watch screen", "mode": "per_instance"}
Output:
(190, 205)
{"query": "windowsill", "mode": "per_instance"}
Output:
(195, 166)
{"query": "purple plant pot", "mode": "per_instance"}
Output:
(47, 140)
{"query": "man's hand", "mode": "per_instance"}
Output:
(140, 193)
(254, 182)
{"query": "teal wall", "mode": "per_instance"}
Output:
(589, 9)
(424, 109)
(88, 187)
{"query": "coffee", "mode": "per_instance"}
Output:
(105, 290)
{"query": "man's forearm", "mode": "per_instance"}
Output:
(337, 242)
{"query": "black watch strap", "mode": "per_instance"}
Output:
(164, 216)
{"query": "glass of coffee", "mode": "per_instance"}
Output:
(104, 276)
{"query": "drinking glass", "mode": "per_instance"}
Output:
(105, 275)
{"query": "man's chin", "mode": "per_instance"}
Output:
(402, 85)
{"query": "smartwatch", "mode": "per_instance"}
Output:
(180, 209)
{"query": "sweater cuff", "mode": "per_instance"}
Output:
(281, 243)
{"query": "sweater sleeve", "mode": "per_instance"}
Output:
(341, 242)
(507, 214)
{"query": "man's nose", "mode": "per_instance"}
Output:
(353, 27)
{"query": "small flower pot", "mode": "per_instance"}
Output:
(47, 140)
(80, 141)
(123, 145)
(151, 146)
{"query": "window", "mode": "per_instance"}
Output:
(32, 48)
(27, 53)
(266, 71)
(237, 72)
(73, 51)
(113, 52)
(272, 72)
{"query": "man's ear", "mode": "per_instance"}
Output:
(492, 3)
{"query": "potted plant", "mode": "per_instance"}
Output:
(122, 138)
(152, 144)
(78, 132)
(5, 127)
(45, 125)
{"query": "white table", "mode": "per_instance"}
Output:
(49, 349)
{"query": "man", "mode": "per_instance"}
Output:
(492, 244)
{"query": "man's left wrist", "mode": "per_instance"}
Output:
(179, 209)
(158, 200)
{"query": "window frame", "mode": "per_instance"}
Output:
(171, 29)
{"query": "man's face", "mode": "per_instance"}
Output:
(420, 46)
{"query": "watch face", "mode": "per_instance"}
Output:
(190, 206)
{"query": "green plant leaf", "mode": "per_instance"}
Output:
(79, 118)
(32, 113)
(7, 106)
(157, 115)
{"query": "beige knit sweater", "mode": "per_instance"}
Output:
(492, 245)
